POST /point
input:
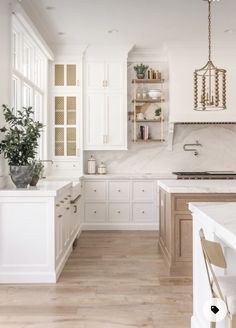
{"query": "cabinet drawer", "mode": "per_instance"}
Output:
(119, 212)
(95, 190)
(118, 191)
(143, 213)
(95, 212)
(142, 191)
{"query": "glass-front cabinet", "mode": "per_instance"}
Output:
(65, 125)
(66, 113)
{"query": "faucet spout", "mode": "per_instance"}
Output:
(197, 144)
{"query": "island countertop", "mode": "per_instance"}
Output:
(198, 186)
(220, 217)
(43, 189)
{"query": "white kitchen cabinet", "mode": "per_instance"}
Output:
(119, 191)
(105, 113)
(143, 191)
(65, 106)
(115, 129)
(105, 76)
(119, 212)
(120, 204)
(95, 212)
(143, 212)
(95, 191)
(95, 124)
(36, 233)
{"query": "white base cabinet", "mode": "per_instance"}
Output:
(36, 235)
(120, 204)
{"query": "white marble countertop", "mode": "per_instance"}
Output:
(131, 176)
(221, 217)
(44, 188)
(198, 186)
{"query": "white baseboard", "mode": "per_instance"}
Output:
(114, 226)
(27, 277)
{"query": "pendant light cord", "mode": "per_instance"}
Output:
(209, 28)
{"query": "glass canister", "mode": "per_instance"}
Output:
(102, 168)
(91, 165)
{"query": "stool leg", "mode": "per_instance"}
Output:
(213, 325)
(232, 321)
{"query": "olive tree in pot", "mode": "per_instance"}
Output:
(19, 143)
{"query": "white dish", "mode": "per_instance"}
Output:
(154, 93)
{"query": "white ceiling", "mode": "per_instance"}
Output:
(145, 23)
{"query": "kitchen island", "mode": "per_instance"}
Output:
(218, 221)
(176, 220)
(38, 226)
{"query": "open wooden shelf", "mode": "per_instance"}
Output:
(148, 81)
(148, 121)
(148, 101)
(148, 140)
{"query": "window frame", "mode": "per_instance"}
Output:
(33, 76)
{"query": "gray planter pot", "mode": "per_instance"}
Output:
(21, 175)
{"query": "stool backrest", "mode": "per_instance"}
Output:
(213, 255)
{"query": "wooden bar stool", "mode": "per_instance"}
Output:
(223, 287)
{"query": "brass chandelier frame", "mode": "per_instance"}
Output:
(209, 79)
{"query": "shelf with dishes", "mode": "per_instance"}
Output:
(147, 110)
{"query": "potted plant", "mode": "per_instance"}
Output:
(140, 71)
(19, 143)
(158, 114)
(37, 168)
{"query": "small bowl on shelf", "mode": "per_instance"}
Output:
(154, 93)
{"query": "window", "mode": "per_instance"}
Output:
(29, 66)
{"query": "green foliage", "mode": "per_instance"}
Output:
(141, 69)
(20, 140)
(37, 167)
(158, 112)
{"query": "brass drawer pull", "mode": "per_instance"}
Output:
(94, 212)
(60, 216)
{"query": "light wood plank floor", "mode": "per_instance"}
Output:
(112, 280)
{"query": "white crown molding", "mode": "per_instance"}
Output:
(147, 54)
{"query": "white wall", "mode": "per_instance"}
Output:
(182, 63)
(5, 58)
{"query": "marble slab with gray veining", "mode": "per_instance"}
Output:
(198, 186)
(43, 189)
(221, 218)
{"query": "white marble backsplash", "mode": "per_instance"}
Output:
(218, 152)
